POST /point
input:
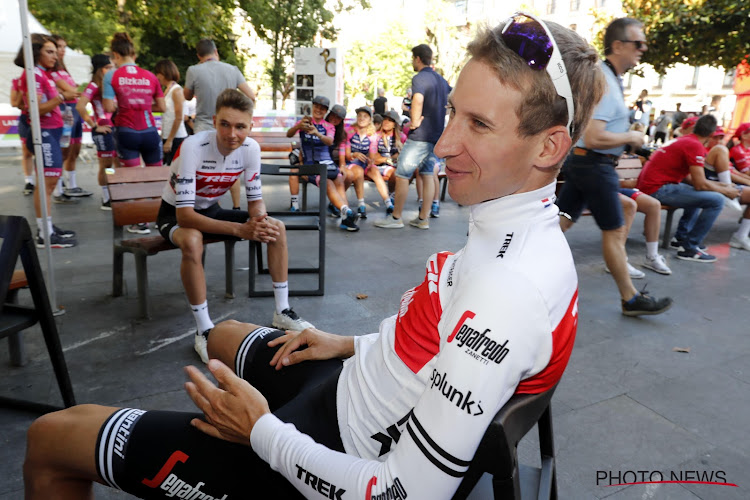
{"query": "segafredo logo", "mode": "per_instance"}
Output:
(477, 342)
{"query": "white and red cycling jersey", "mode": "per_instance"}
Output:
(200, 174)
(741, 156)
(498, 317)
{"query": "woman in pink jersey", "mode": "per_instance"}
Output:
(361, 146)
(138, 93)
(132, 93)
(50, 120)
(740, 153)
(16, 100)
(390, 142)
(65, 83)
(100, 123)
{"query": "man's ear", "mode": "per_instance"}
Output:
(214, 120)
(554, 147)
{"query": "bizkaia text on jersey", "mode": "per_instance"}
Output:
(477, 342)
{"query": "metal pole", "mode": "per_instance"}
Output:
(36, 137)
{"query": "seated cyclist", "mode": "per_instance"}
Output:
(401, 411)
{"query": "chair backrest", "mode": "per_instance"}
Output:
(13, 231)
(136, 194)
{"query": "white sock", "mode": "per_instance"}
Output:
(388, 202)
(744, 230)
(28, 179)
(652, 249)
(70, 179)
(39, 226)
(295, 200)
(105, 194)
(436, 203)
(361, 202)
(202, 319)
(281, 295)
(725, 177)
(344, 210)
(58, 187)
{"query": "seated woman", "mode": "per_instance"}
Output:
(390, 142)
(360, 152)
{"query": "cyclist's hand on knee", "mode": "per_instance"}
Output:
(230, 410)
(320, 346)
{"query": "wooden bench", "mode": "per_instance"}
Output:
(274, 145)
(136, 197)
(628, 169)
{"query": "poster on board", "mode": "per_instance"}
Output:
(317, 71)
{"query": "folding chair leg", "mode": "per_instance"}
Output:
(117, 265)
(229, 269)
(668, 228)
(444, 182)
(54, 348)
(141, 273)
(17, 350)
(251, 269)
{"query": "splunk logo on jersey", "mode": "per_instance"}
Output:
(125, 80)
(166, 480)
(461, 399)
(396, 491)
(477, 343)
(325, 488)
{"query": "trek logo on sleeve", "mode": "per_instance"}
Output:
(174, 486)
(325, 488)
(394, 492)
(461, 399)
(477, 343)
(506, 244)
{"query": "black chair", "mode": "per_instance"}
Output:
(497, 453)
(17, 240)
(305, 220)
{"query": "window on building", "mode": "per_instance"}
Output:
(551, 7)
(660, 83)
(461, 7)
(575, 6)
(729, 78)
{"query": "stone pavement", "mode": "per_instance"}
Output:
(627, 402)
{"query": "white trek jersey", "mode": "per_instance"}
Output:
(200, 174)
(415, 400)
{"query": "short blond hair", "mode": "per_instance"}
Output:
(541, 107)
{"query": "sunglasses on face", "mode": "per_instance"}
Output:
(638, 44)
(529, 37)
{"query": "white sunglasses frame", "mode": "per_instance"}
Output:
(555, 67)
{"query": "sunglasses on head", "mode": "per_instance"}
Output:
(529, 37)
(638, 44)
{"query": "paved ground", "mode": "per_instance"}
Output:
(627, 402)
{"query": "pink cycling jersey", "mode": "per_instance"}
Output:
(45, 88)
(360, 143)
(61, 74)
(135, 89)
(94, 94)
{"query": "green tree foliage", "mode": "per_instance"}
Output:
(161, 29)
(385, 58)
(286, 24)
(694, 32)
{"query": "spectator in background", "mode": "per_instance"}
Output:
(677, 117)
(740, 151)
(589, 170)
(686, 127)
(642, 110)
(100, 123)
(16, 100)
(390, 142)
(44, 52)
(661, 127)
(133, 92)
(206, 80)
(173, 130)
(406, 104)
(361, 147)
(429, 101)
(188, 113)
(67, 185)
(380, 104)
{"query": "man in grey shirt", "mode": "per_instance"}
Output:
(206, 80)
